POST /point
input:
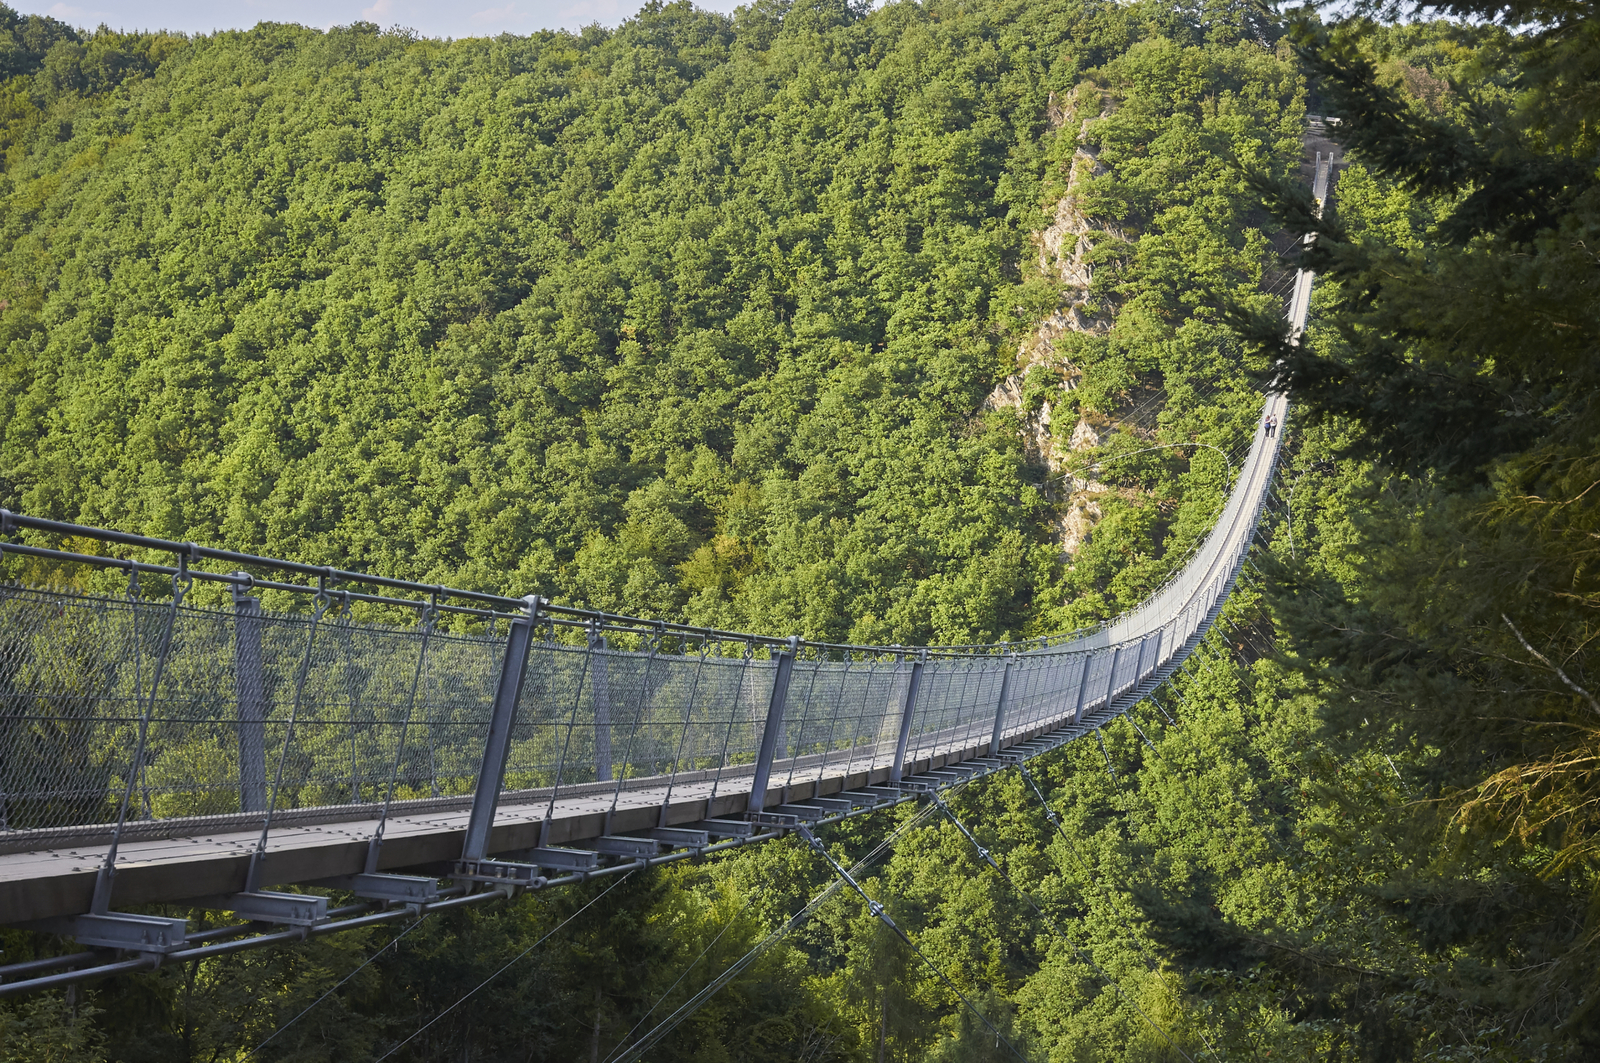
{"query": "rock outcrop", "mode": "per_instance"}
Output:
(1064, 256)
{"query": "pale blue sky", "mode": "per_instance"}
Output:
(449, 18)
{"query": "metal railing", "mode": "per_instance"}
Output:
(134, 716)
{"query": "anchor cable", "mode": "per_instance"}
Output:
(986, 857)
(340, 984)
(507, 966)
(883, 916)
(1083, 865)
(733, 970)
(749, 899)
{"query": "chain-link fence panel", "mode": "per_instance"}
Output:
(187, 714)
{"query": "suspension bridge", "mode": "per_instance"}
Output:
(174, 745)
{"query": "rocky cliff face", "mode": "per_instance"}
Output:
(1065, 244)
(1064, 248)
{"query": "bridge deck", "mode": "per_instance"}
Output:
(52, 883)
(200, 859)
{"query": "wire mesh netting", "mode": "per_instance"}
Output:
(138, 712)
(149, 711)
(590, 716)
(123, 708)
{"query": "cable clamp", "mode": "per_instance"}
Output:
(181, 580)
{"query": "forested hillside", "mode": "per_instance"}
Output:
(848, 323)
(694, 318)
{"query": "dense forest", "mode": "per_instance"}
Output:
(696, 318)
(849, 323)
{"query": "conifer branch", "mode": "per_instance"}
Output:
(1593, 704)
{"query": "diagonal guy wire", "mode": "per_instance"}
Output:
(592, 901)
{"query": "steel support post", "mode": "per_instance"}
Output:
(1083, 687)
(249, 686)
(600, 689)
(1000, 706)
(1111, 677)
(497, 746)
(148, 934)
(897, 770)
(773, 730)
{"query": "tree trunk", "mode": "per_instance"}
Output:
(883, 1024)
(188, 1021)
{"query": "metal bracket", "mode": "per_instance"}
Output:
(138, 933)
(498, 873)
(621, 845)
(560, 859)
(285, 909)
(866, 798)
(773, 819)
(399, 889)
(726, 828)
(680, 837)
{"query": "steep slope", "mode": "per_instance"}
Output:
(693, 318)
